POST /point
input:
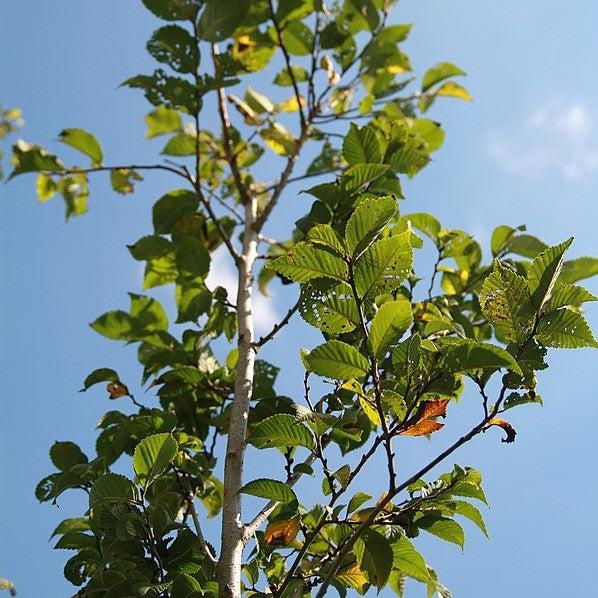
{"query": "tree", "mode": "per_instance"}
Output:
(398, 356)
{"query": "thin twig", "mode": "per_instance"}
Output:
(226, 126)
(303, 121)
(264, 339)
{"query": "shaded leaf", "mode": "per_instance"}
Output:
(153, 455)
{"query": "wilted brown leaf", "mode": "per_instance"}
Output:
(506, 426)
(282, 533)
(117, 390)
(424, 422)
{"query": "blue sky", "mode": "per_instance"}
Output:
(525, 151)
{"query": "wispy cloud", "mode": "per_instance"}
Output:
(559, 137)
(222, 274)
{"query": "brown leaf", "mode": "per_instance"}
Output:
(506, 426)
(117, 390)
(424, 421)
(282, 533)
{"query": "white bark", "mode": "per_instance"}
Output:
(229, 567)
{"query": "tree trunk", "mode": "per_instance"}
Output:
(229, 568)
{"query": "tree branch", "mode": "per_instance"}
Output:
(226, 126)
(303, 121)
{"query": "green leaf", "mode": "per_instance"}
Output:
(174, 46)
(444, 528)
(185, 586)
(173, 10)
(565, 329)
(358, 499)
(426, 223)
(146, 317)
(504, 299)
(75, 540)
(172, 207)
(298, 39)
(284, 78)
(150, 247)
(337, 360)
(361, 146)
(375, 557)
(525, 245)
(304, 263)
(569, 294)
(359, 175)
(33, 158)
(192, 258)
(389, 324)
(466, 355)
(163, 120)
(65, 455)
(440, 72)
(367, 222)
(578, 269)
(122, 180)
(270, 490)
(182, 144)
(45, 186)
(99, 375)
(184, 554)
(280, 430)
(324, 234)
(76, 524)
(216, 24)
(112, 487)
(544, 272)
(332, 310)
(278, 139)
(84, 142)
(153, 455)
(472, 513)
(384, 265)
(408, 560)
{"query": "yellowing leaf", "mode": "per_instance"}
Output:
(424, 420)
(352, 577)
(245, 111)
(279, 139)
(506, 426)
(291, 105)
(282, 533)
(370, 411)
(395, 69)
(117, 390)
(454, 90)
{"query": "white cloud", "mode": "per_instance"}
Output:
(559, 137)
(223, 274)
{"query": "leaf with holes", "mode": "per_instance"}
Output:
(565, 329)
(384, 266)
